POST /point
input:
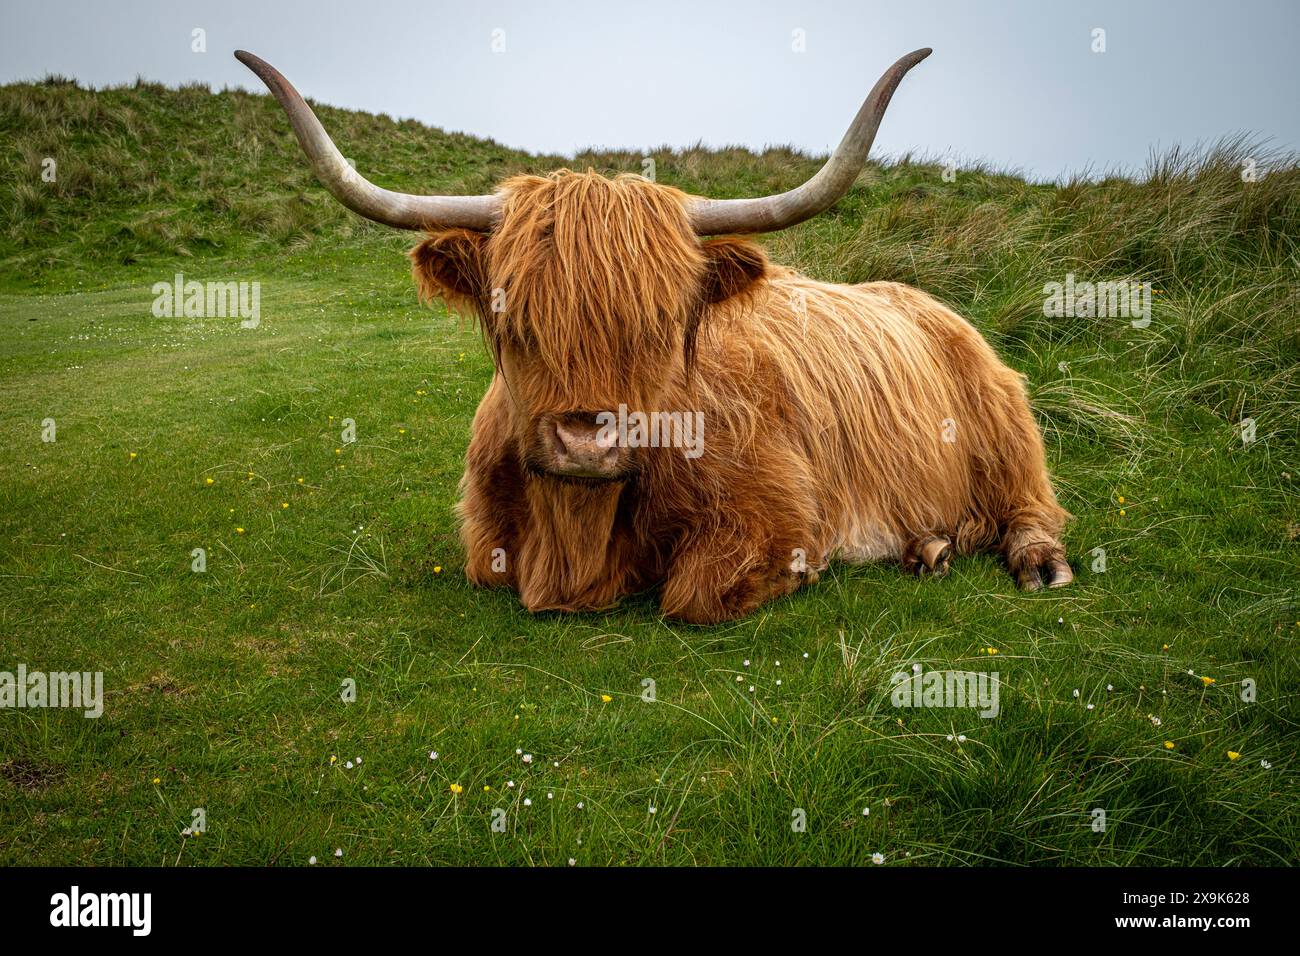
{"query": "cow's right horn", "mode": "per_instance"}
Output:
(401, 210)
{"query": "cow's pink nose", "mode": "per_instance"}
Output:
(584, 450)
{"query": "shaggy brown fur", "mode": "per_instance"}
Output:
(849, 422)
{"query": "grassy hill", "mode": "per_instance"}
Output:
(329, 562)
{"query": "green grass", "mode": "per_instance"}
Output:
(225, 686)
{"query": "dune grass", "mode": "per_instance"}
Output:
(330, 562)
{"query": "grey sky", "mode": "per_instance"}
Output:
(1013, 83)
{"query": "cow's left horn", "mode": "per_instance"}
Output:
(401, 210)
(712, 217)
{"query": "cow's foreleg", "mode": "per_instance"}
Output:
(490, 523)
(706, 585)
(748, 552)
(492, 510)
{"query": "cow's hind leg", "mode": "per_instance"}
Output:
(1015, 502)
(928, 554)
(1035, 558)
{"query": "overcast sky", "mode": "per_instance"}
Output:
(1014, 83)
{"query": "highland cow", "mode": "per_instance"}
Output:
(860, 423)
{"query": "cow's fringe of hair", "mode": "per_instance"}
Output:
(597, 277)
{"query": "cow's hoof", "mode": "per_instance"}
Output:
(1029, 579)
(1054, 573)
(1058, 573)
(936, 553)
(929, 556)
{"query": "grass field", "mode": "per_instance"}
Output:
(329, 562)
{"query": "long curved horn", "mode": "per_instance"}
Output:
(401, 210)
(715, 216)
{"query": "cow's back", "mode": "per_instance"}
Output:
(897, 403)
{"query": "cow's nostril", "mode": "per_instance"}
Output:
(571, 439)
(557, 433)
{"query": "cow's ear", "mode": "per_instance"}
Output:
(451, 265)
(732, 266)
